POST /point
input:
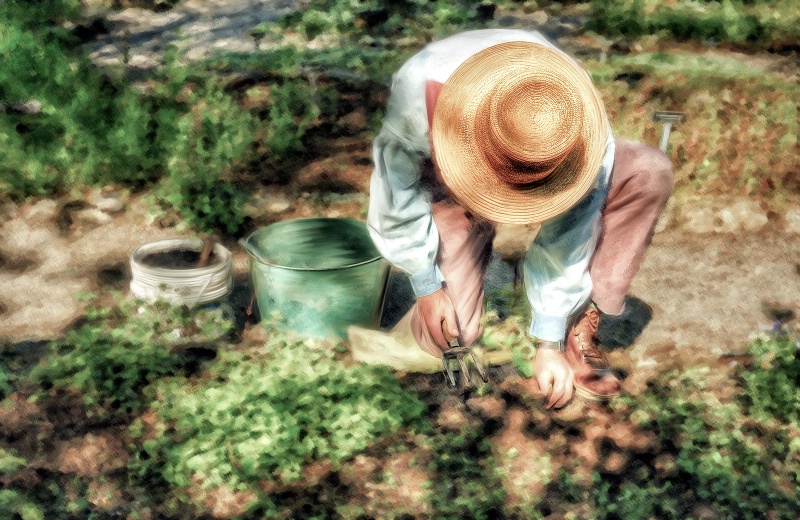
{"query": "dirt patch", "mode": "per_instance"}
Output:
(93, 455)
(178, 259)
(18, 416)
(114, 276)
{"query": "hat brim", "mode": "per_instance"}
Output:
(456, 149)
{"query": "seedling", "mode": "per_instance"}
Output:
(668, 118)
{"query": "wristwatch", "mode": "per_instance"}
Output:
(552, 345)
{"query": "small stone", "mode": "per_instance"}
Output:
(42, 211)
(646, 363)
(540, 17)
(278, 204)
(792, 221)
(93, 216)
(108, 204)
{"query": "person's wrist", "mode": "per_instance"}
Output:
(557, 346)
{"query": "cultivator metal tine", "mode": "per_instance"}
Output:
(459, 354)
(448, 371)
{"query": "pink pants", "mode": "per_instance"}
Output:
(641, 181)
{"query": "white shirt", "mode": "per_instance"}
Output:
(400, 220)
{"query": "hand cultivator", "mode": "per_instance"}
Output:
(459, 354)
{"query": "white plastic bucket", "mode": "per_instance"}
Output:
(181, 285)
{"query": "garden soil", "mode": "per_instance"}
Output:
(701, 293)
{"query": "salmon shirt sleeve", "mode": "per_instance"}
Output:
(400, 219)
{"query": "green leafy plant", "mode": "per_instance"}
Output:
(5, 380)
(772, 391)
(469, 486)
(119, 350)
(733, 21)
(265, 413)
(81, 125)
(211, 140)
(737, 456)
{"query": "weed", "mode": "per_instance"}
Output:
(266, 413)
(211, 138)
(468, 486)
(119, 350)
(734, 455)
(733, 21)
(772, 391)
(5, 380)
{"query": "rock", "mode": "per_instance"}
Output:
(267, 205)
(42, 211)
(108, 204)
(93, 216)
(791, 221)
(540, 17)
(278, 204)
(722, 215)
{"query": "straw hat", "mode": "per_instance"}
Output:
(519, 133)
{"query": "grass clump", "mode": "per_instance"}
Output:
(726, 449)
(740, 131)
(728, 21)
(266, 413)
(468, 485)
(211, 140)
(119, 350)
(408, 18)
(80, 126)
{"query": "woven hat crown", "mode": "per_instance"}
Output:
(530, 126)
(519, 132)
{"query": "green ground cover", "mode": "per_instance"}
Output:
(249, 419)
(210, 416)
(767, 24)
(92, 127)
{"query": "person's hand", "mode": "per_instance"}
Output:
(554, 375)
(438, 316)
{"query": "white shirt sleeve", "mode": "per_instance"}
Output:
(556, 266)
(400, 219)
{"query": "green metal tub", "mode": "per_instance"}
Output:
(317, 276)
